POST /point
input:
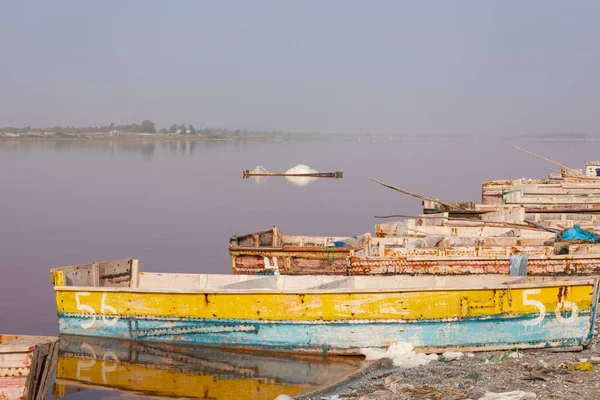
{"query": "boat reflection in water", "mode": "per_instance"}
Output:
(169, 370)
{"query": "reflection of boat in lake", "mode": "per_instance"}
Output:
(26, 365)
(176, 371)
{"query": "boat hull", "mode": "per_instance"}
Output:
(339, 322)
(26, 366)
(308, 261)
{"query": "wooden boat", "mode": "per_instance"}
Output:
(478, 210)
(488, 234)
(492, 192)
(511, 220)
(26, 366)
(168, 370)
(325, 314)
(560, 259)
(270, 251)
(567, 181)
(337, 174)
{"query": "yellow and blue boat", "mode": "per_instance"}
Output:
(169, 370)
(325, 314)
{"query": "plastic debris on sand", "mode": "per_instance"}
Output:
(402, 355)
(452, 355)
(516, 395)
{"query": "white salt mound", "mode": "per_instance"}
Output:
(283, 397)
(301, 169)
(402, 355)
(259, 170)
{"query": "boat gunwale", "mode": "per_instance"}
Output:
(295, 248)
(587, 280)
(441, 258)
(32, 342)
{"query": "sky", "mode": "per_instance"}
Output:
(488, 68)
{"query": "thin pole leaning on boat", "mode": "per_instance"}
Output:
(512, 225)
(418, 196)
(574, 172)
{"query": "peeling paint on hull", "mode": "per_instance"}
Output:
(347, 338)
(521, 313)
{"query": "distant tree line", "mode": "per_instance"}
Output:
(146, 126)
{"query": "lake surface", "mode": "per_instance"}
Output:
(174, 205)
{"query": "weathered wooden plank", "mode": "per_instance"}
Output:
(26, 363)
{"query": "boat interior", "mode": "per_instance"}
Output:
(408, 236)
(83, 276)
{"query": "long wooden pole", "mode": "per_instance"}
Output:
(553, 230)
(418, 196)
(477, 221)
(576, 173)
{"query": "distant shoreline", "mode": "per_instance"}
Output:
(101, 136)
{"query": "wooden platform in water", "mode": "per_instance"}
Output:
(337, 174)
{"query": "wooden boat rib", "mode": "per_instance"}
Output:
(26, 366)
(336, 174)
(328, 314)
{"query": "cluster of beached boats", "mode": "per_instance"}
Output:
(461, 276)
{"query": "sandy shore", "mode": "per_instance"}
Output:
(549, 374)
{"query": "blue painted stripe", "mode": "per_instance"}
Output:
(284, 335)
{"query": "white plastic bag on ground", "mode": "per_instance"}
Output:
(516, 395)
(402, 355)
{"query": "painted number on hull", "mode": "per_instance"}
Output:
(104, 309)
(561, 305)
(268, 265)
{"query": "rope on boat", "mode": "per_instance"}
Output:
(328, 251)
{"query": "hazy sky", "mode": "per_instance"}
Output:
(487, 67)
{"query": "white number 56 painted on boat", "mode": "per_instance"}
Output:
(542, 308)
(103, 311)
